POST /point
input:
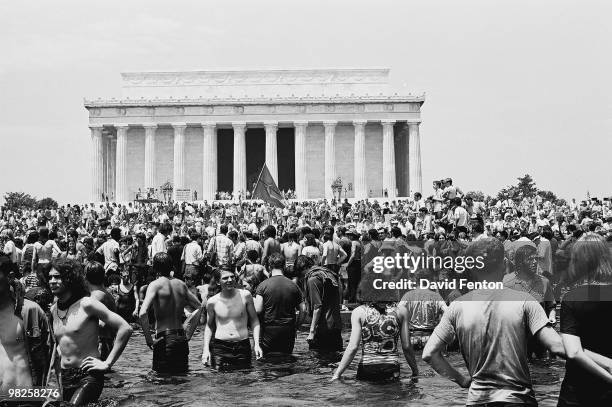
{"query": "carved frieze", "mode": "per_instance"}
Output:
(256, 77)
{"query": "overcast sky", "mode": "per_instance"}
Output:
(513, 87)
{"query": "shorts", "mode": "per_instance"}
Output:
(233, 354)
(327, 341)
(139, 277)
(81, 387)
(379, 372)
(192, 271)
(171, 351)
(277, 338)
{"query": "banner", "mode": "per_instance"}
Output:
(183, 195)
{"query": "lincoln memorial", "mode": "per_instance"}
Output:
(210, 131)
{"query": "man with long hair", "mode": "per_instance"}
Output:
(76, 317)
(584, 310)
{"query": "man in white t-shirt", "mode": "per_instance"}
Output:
(110, 250)
(460, 216)
(158, 244)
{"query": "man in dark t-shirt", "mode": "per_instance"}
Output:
(175, 251)
(276, 300)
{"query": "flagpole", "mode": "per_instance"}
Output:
(258, 178)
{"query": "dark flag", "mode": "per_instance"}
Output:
(266, 189)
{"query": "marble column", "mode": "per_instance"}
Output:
(121, 188)
(360, 185)
(240, 186)
(178, 172)
(97, 163)
(149, 170)
(414, 158)
(388, 160)
(330, 157)
(112, 164)
(271, 149)
(105, 164)
(209, 168)
(301, 176)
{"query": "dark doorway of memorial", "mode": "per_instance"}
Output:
(286, 158)
(225, 160)
(255, 155)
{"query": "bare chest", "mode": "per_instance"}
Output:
(230, 309)
(73, 323)
(12, 336)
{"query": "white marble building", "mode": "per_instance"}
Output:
(210, 131)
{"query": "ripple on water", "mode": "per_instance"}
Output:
(302, 380)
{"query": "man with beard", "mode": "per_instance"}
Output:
(24, 351)
(229, 313)
(76, 318)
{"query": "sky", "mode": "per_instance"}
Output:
(513, 87)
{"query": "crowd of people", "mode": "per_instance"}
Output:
(76, 280)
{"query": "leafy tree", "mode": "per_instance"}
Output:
(47, 203)
(547, 196)
(16, 200)
(510, 192)
(478, 196)
(527, 186)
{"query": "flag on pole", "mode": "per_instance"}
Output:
(266, 189)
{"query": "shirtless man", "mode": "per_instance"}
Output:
(23, 337)
(76, 318)
(169, 298)
(226, 337)
(290, 250)
(271, 245)
(94, 275)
